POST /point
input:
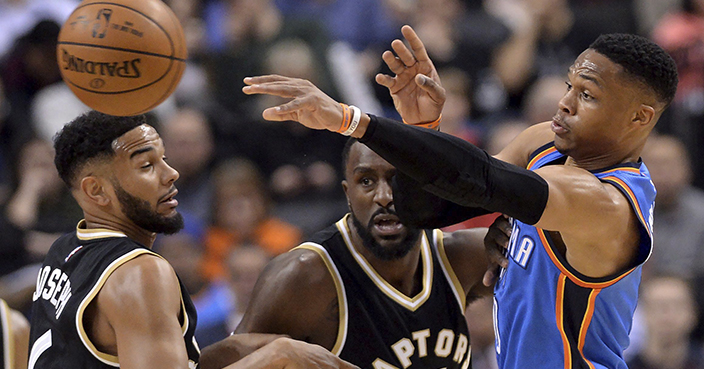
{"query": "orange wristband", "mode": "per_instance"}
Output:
(346, 118)
(431, 125)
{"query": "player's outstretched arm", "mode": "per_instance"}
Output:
(285, 353)
(294, 296)
(415, 88)
(141, 303)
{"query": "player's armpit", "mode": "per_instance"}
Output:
(141, 301)
(294, 296)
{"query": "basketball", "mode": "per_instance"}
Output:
(122, 57)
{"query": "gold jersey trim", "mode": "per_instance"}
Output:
(103, 357)
(341, 294)
(8, 340)
(449, 272)
(411, 304)
(87, 234)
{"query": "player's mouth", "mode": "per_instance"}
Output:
(558, 125)
(169, 199)
(387, 225)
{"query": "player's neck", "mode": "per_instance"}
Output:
(131, 230)
(603, 161)
(400, 273)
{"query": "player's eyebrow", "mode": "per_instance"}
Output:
(590, 78)
(141, 151)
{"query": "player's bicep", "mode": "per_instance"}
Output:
(577, 200)
(468, 259)
(142, 302)
(289, 296)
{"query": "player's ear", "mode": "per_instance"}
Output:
(94, 189)
(345, 187)
(644, 115)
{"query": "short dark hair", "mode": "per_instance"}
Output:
(88, 137)
(643, 59)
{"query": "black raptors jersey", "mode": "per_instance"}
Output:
(382, 328)
(74, 271)
(7, 348)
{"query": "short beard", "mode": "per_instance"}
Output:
(395, 252)
(140, 213)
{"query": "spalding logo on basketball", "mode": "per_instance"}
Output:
(122, 57)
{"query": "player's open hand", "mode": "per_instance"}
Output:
(309, 105)
(415, 89)
(496, 242)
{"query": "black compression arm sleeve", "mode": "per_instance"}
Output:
(457, 171)
(421, 209)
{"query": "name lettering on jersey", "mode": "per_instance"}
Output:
(446, 344)
(53, 286)
(520, 248)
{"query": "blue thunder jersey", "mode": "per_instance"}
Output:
(380, 327)
(7, 344)
(548, 315)
(73, 272)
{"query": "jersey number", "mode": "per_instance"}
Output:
(40, 345)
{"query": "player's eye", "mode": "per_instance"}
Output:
(569, 85)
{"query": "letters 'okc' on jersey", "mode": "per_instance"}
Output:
(548, 315)
(74, 271)
(7, 344)
(382, 328)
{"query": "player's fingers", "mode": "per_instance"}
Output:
(394, 63)
(275, 115)
(265, 79)
(403, 53)
(385, 80)
(416, 44)
(436, 92)
(490, 275)
(280, 88)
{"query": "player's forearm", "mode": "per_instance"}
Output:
(233, 349)
(458, 171)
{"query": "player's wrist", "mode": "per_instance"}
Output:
(351, 116)
(435, 124)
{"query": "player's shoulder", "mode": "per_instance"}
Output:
(520, 150)
(147, 275)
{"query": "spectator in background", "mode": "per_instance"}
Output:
(30, 66)
(548, 35)
(212, 299)
(240, 33)
(679, 214)
(681, 33)
(39, 210)
(542, 97)
(188, 133)
(670, 314)
(19, 16)
(242, 215)
(244, 265)
(458, 108)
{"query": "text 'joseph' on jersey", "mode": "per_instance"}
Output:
(382, 328)
(74, 271)
(548, 315)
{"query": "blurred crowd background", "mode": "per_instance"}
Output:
(251, 189)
